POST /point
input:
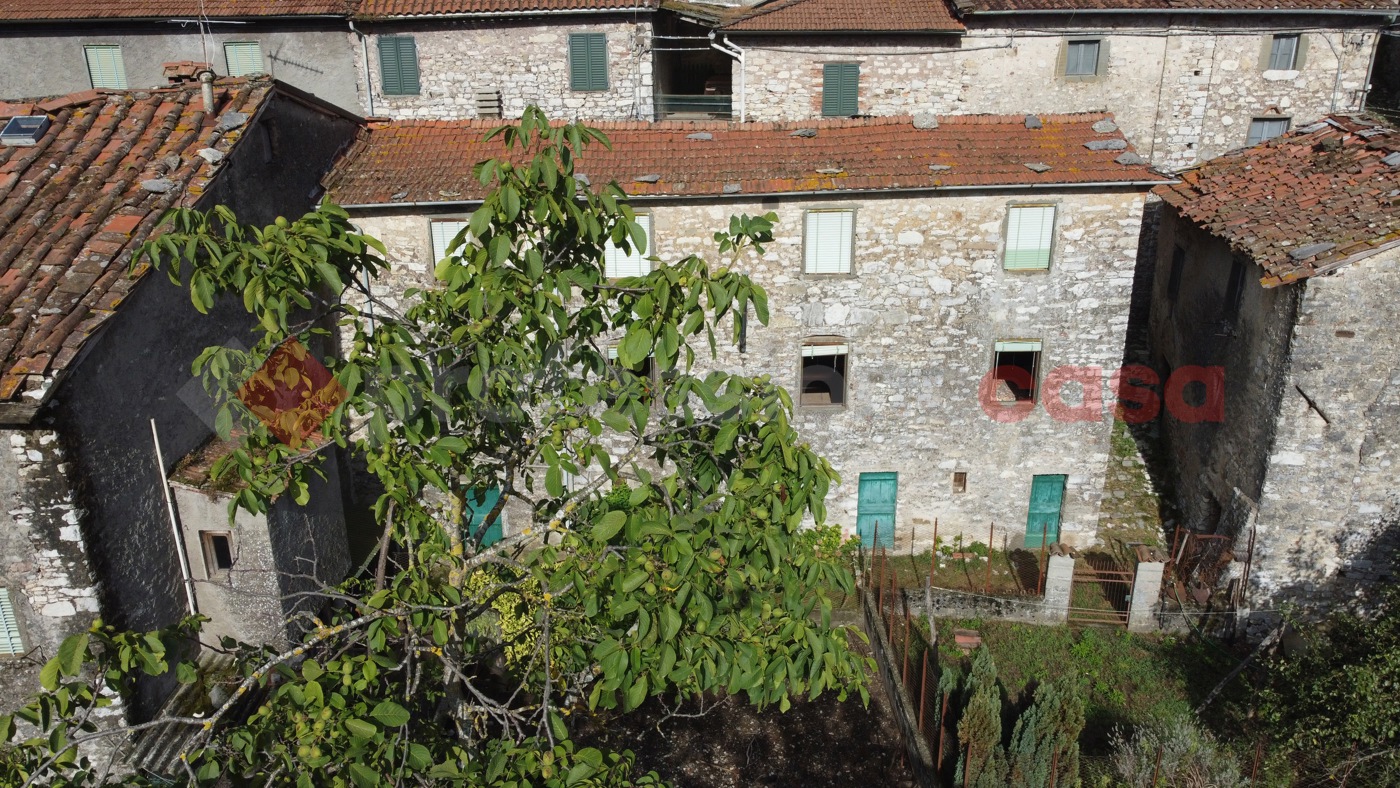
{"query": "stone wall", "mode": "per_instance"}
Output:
(526, 60)
(1182, 95)
(921, 313)
(1328, 526)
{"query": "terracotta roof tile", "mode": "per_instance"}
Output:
(1185, 6)
(1322, 186)
(38, 10)
(73, 210)
(806, 16)
(396, 8)
(431, 161)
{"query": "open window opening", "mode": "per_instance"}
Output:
(218, 551)
(824, 372)
(959, 481)
(1016, 368)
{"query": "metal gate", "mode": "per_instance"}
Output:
(1100, 592)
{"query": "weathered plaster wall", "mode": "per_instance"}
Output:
(921, 313)
(316, 57)
(1181, 97)
(1329, 517)
(526, 60)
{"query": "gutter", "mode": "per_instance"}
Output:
(807, 193)
(735, 52)
(1186, 11)
(497, 14)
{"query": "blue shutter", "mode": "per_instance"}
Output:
(478, 509)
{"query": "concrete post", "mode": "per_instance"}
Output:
(1059, 577)
(1147, 589)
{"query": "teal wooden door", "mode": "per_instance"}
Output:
(875, 508)
(1043, 522)
(475, 516)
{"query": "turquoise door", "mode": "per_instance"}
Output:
(1043, 522)
(477, 510)
(875, 508)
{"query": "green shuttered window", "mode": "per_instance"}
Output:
(398, 65)
(588, 61)
(244, 57)
(1029, 235)
(617, 263)
(443, 231)
(827, 241)
(840, 90)
(105, 66)
(10, 640)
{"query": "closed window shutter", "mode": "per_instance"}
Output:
(840, 90)
(105, 66)
(816, 351)
(617, 264)
(10, 641)
(1283, 53)
(244, 57)
(398, 65)
(1029, 232)
(588, 61)
(443, 231)
(828, 242)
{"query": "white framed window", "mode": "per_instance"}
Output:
(244, 57)
(442, 232)
(828, 240)
(11, 642)
(218, 553)
(1284, 52)
(106, 69)
(1261, 129)
(618, 264)
(1030, 235)
(824, 370)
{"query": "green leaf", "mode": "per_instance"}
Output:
(637, 693)
(311, 670)
(71, 653)
(670, 623)
(360, 729)
(390, 714)
(635, 346)
(608, 525)
(363, 776)
(48, 675)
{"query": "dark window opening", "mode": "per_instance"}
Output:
(1234, 292)
(1016, 369)
(823, 374)
(1174, 278)
(960, 481)
(218, 552)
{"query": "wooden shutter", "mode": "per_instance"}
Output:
(106, 68)
(828, 237)
(588, 61)
(398, 65)
(443, 231)
(10, 640)
(617, 264)
(243, 57)
(1029, 235)
(840, 90)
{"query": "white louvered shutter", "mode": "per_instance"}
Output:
(828, 241)
(617, 264)
(443, 231)
(105, 66)
(10, 641)
(244, 57)
(1029, 233)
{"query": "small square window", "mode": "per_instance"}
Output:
(442, 232)
(243, 57)
(588, 61)
(824, 372)
(106, 69)
(1082, 58)
(218, 552)
(960, 481)
(1030, 233)
(618, 264)
(828, 237)
(1283, 52)
(1016, 368)
(1261, 129)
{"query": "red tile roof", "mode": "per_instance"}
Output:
(1303, 203)
(74, 207)
(398, 8)
(431, 161)
(884, 16)
(1184, 6)
(37, 10)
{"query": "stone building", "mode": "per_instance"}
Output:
(1186, 85)
(466, 58)
(948, 297)
(54, 48)
(93, 352)
(1276, 277)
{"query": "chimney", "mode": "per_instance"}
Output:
(206, 89)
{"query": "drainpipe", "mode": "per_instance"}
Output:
(735, 52)
(175, 524)
(369, 82)
(206, 89)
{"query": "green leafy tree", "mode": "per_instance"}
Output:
(1044, 746)
(664, 554)
(983, 762)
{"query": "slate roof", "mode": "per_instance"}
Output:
(816, 16)
(75, 206)
(1184, 6)
(55, 10)
(431, 161)
(1303, 203)
(408, 8)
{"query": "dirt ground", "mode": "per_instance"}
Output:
(822, 744)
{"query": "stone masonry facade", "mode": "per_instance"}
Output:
(1184, 93)
(527, 61)
(921, 313)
